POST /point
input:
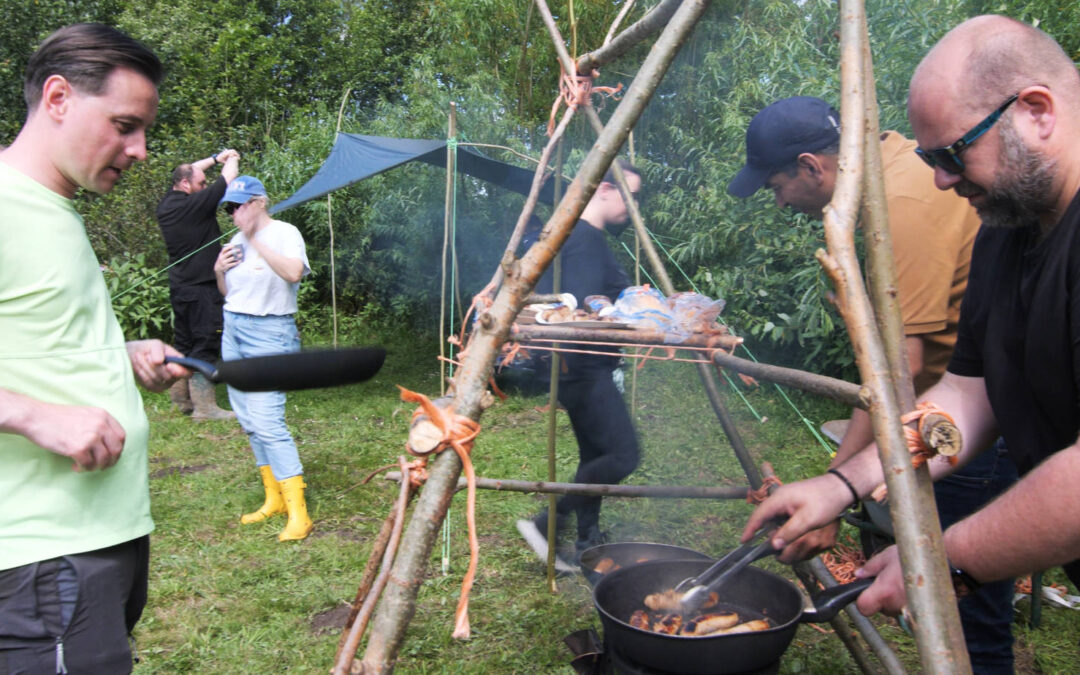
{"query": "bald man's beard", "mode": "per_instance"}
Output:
(1023, 189)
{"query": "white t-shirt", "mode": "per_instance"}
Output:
(253, 287)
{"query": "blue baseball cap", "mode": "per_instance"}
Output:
(242, 189)
(779, 134)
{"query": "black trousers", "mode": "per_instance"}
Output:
(73, 613)
(607, 445)
(197, 320)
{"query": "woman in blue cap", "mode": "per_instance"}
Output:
(259, 273)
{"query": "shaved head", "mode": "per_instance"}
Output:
(987, 58)
(1018, 168)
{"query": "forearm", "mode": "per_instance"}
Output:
(964, 398)
(859, 434)
(204, 163)
(16, 412)
(1032, 527)
(289, 269)
(222, 287)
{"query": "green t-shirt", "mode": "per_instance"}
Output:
(60, 342)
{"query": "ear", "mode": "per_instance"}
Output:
(812, 164)
(56, 95)
(1037, 110)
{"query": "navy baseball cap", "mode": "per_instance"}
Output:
(242, 189)
(779, 134)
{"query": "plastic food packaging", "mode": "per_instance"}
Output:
(693, 313)
(599, 305)
(643, 308)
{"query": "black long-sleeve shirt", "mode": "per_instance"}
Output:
(588, 268)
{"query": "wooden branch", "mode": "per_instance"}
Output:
(929, 589)
(346, 662)
(600, 490)
(378, 550)
(398, 605)
(941, 434)
(625, 41)
(838, 390)
(537, 298)
(627, 6)
(538, 331)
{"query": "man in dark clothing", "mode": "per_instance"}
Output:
(188, 219)
(994, 107)
(607, 446)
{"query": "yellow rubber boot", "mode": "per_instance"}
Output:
(273, 505)
(299, 525)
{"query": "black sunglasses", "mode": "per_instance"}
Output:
(948, 157)
(230, 207)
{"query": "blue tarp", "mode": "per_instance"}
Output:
(355, 157)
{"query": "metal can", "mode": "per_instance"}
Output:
(239, 249)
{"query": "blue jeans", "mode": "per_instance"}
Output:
(262, 413)
(987, 614)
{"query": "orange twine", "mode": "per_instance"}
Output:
(711, 345)
(575, 91)
(458, 432)
(759, 495)
(842, 561)
(920, 451)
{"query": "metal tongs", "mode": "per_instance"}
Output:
(696, 590)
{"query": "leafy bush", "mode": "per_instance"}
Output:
(140, 298)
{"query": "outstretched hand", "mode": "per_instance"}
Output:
(886, 594)
(148, 364)
(808, 505)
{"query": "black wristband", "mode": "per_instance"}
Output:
(854, 494)
(963, 583)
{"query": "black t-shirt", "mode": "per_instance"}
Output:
(1020, 331)
(588, 268)
(189, 222)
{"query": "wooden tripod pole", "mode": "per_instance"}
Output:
(929, 591)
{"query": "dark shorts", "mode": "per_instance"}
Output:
(197, 320)
(74, 613)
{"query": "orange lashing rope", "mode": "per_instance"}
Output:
(920, 451)
(759, 495)
(575, 90)
(458, 432)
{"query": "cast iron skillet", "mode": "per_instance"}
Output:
(626, 553)
(753, 594)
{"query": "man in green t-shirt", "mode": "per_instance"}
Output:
(74, 496)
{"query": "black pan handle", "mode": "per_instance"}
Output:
(829, 602)
(208, 370)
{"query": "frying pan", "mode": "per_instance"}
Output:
(753, 594)
(292, 371)
(625, 553)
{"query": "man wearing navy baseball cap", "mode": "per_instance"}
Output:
(792, 147)
(780, 134)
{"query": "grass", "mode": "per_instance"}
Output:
(231, 599)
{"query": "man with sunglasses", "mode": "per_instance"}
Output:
(792, 147)
(187, 216)
(995, 107)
